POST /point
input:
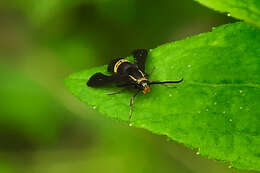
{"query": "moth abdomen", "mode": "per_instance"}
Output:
(99, 79)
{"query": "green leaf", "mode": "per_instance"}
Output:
(216, 108)
(248, 10)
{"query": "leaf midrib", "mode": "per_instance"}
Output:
(225, 84)
(252, 85)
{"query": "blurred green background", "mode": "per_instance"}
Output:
(43, 128)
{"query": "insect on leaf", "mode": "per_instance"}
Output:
(216, 109)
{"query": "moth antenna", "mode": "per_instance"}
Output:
(164, 82)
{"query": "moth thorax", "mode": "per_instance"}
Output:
(118, 63)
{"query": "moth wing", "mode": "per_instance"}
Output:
(99, 79)
(140, 58)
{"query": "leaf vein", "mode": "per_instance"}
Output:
(225, 84)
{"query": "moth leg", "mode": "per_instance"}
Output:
(114, 93)
(119, 91)
(131, 105)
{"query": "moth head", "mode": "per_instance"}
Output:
(145, 87)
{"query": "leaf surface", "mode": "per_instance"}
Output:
(247, 10)
(216, 109)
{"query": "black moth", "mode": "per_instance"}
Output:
(127, 74)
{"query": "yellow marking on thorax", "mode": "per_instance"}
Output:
(141, 79)
(118, 63)
(138, 80)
